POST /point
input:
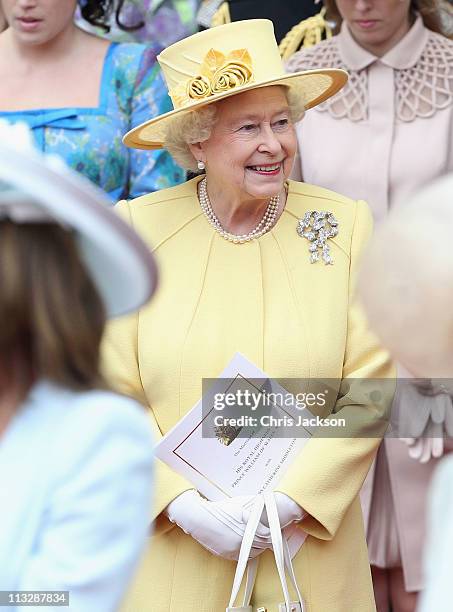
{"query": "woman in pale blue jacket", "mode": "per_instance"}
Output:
(75, 458)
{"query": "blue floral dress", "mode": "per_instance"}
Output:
(89, 139)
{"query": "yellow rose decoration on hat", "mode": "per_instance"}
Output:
(198, 87)
(218, 73)
(235, 70)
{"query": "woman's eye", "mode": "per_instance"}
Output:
(281, 123)
(249, 127)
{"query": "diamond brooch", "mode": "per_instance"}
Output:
(317, 227)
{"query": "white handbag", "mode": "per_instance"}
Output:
(281, 554)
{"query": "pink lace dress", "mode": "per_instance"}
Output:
(387, 133)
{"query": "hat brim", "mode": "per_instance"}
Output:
(315, 85)
(120, 264)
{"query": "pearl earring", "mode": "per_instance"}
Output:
(201, 165)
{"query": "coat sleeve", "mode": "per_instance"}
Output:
(327, 475)
(122, 370)
(95, 521)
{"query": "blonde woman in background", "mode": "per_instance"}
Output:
(239, 277)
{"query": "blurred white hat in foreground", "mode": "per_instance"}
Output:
(406, 281)
(38, 188)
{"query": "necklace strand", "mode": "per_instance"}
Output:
(263, 226)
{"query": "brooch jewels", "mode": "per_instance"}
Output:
(317, 227)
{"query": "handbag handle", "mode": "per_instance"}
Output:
(281, 553)
(244, 553)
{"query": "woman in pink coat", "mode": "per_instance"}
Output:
(387, 133)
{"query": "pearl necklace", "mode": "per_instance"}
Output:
(263, 226)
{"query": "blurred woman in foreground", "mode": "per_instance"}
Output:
(75, 458)
(413, 262)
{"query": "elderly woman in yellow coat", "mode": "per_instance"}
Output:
(255, 263)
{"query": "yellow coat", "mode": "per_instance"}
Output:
(291, 318)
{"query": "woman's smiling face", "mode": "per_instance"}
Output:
(252, 145)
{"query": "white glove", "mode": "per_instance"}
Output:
(218, 526)
(295, 537)
(234, 513)
(288, 511)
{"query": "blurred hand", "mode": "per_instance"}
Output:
(426, 416)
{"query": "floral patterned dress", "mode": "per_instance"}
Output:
(90, 139)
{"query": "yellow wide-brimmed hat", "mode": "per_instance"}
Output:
(225, 61)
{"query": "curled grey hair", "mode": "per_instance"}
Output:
(196, 126)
